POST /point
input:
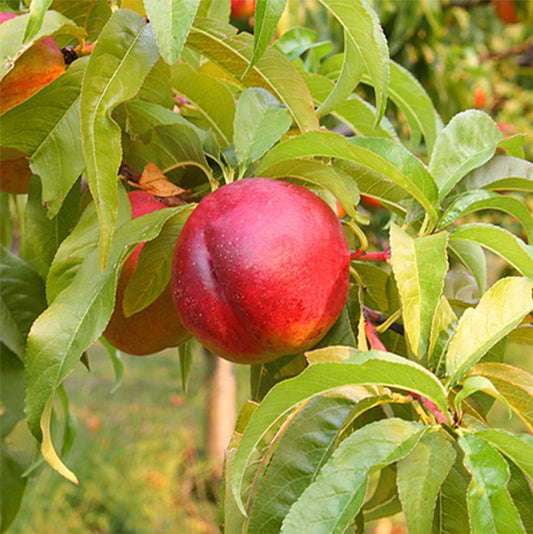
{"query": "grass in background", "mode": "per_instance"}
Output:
(137, 454)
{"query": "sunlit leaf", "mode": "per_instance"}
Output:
(497, 240)
(266, 16)
(471, 255)
(468, 141)
(171, 21)
(419, 267)
(501, 172)
(500, 310)
(37, 12)
(515, 384)
(443, 326)
(123, 56)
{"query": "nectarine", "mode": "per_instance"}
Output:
(35, 68)
(261, 270)
(157, 326)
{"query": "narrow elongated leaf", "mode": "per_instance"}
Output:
(334, 180)
(22, 299)
(443, 327)
(11, 41)
(171, 21)
(301, 452)
(369, 153)
(331, 502)
(473, 384)
(78, 315)
(409, 95)
(273, 71)
(364, 42)
(497, 240)
(153, 270)
(53, 137)
(515, 384)
(471, 255)
(123, 56)
(501, 169)
(500, 310)
(266, 18)
(451, 513)
(209, 96)
(490, 507)
(37, 12)
(355, 112)
(260, 121)
(522, 496)
(485, 200)
(419, 267)
(420, 476)
(518, 447)
(468, 141)
(359, 368)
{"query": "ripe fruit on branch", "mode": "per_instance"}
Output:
(261, 270)
(35, 68)
(157, 326)
(242, 9)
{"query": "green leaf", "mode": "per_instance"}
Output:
(451, 513)
(522, 496)
(116, 360)
(502, 172)
(468, 141)
(515, 384)
(497, 240)
(17, 445)
(473, 384)
(411, 98)
(22, 299)
(301, 452)
(420, 476)
(171, 21)
(484, 200)
(355, 112)
(419, 266)
(52, 137)
(517, 447)
(385, 157)
(359, 368)
(365, 45)
(334, 180)
(11, 41)
(266, 18)
(471, 255)
(44, 234)
(186, 353)
(500, 310)
(443, 327)
(154, 265)
(78, 314)
(331, 502)
(490, 507)
(213, 100)
(260, 121)
(123, 56)
(37, 12)
(513, 145)
(273, 72)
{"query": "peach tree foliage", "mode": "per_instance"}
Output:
(343, 434)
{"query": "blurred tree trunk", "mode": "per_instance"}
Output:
(221, 412)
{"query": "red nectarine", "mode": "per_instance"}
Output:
(261, 269)
(157, 326)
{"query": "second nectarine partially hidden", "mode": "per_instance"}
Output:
(261, 270)
(157, 326)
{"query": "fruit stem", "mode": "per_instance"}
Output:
(373, 338)
(361, 255)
